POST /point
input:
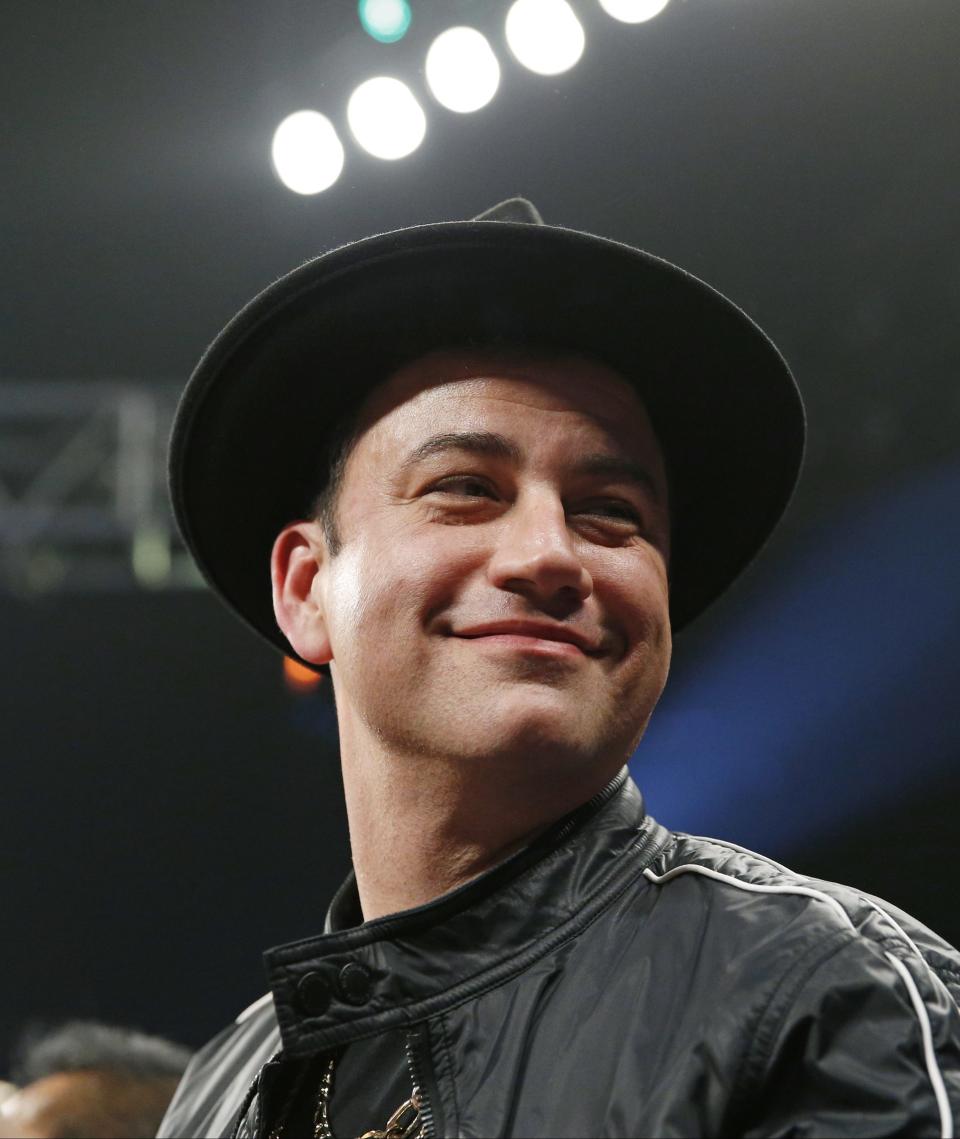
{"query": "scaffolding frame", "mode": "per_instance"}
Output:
(83, 501)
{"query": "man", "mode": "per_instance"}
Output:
(494, 465)
(86, 1080)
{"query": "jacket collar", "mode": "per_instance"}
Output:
(355, 981)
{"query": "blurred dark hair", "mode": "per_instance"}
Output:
(119, 1081)
(336, 451)
(82, 1045)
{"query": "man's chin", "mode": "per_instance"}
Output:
(539, 720)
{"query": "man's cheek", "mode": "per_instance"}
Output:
(369, 594)
(433, 578)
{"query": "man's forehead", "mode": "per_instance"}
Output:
(448, 380)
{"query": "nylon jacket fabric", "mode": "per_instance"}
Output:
(615, 979)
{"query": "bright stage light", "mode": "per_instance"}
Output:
(633, 11)
(307, 154)
(386, 118)
(385, 20)
(462, 71)
(544, 35)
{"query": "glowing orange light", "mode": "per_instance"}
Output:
(298, 678)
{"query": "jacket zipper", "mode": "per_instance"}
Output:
(421, 1074)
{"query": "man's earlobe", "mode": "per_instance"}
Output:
(296, 565)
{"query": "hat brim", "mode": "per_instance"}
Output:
(248, 439)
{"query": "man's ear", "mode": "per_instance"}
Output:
(296, 568)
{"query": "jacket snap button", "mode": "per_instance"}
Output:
(354, 983)
(313, 994)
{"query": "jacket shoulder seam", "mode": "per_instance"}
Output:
(769, 1018)
(897, 948)
(815, 886)
(760, 1049)
(907, 946)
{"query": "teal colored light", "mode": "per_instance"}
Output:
(386, 20)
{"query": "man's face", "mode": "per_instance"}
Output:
(501, 589)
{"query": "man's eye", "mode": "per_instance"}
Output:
(463, 486)
(612, 508)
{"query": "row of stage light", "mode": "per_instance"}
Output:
(462, 74)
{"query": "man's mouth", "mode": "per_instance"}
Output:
(537, 636)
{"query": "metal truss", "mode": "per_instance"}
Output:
(83, 503)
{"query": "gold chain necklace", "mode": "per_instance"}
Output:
(405, 1123)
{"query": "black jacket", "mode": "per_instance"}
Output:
(615, 979)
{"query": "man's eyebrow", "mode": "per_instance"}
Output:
(619, 467)
(474, 442)
(492, 444)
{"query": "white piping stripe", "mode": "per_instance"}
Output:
(753, 887)
(251, 1009)
(937, 982)
(901, 932)
(933, 1068)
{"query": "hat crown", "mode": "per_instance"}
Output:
(512, 209)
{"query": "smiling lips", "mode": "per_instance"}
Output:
(539, 636)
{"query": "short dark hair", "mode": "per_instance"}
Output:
(339, 444)
(84, 1045)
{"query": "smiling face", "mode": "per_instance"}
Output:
(501, 589)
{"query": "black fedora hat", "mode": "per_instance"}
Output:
(247, 453)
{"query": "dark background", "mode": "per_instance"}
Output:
(169, 808)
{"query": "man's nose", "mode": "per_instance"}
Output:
(536, 555)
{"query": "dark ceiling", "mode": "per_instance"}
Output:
(800, 155)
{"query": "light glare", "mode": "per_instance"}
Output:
(633, 11)
(544, 35)
(298, 677)
(386, 118)
(385, 20)
(462, 71)
(307, 153)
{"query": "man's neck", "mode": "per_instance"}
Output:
(420, 828)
